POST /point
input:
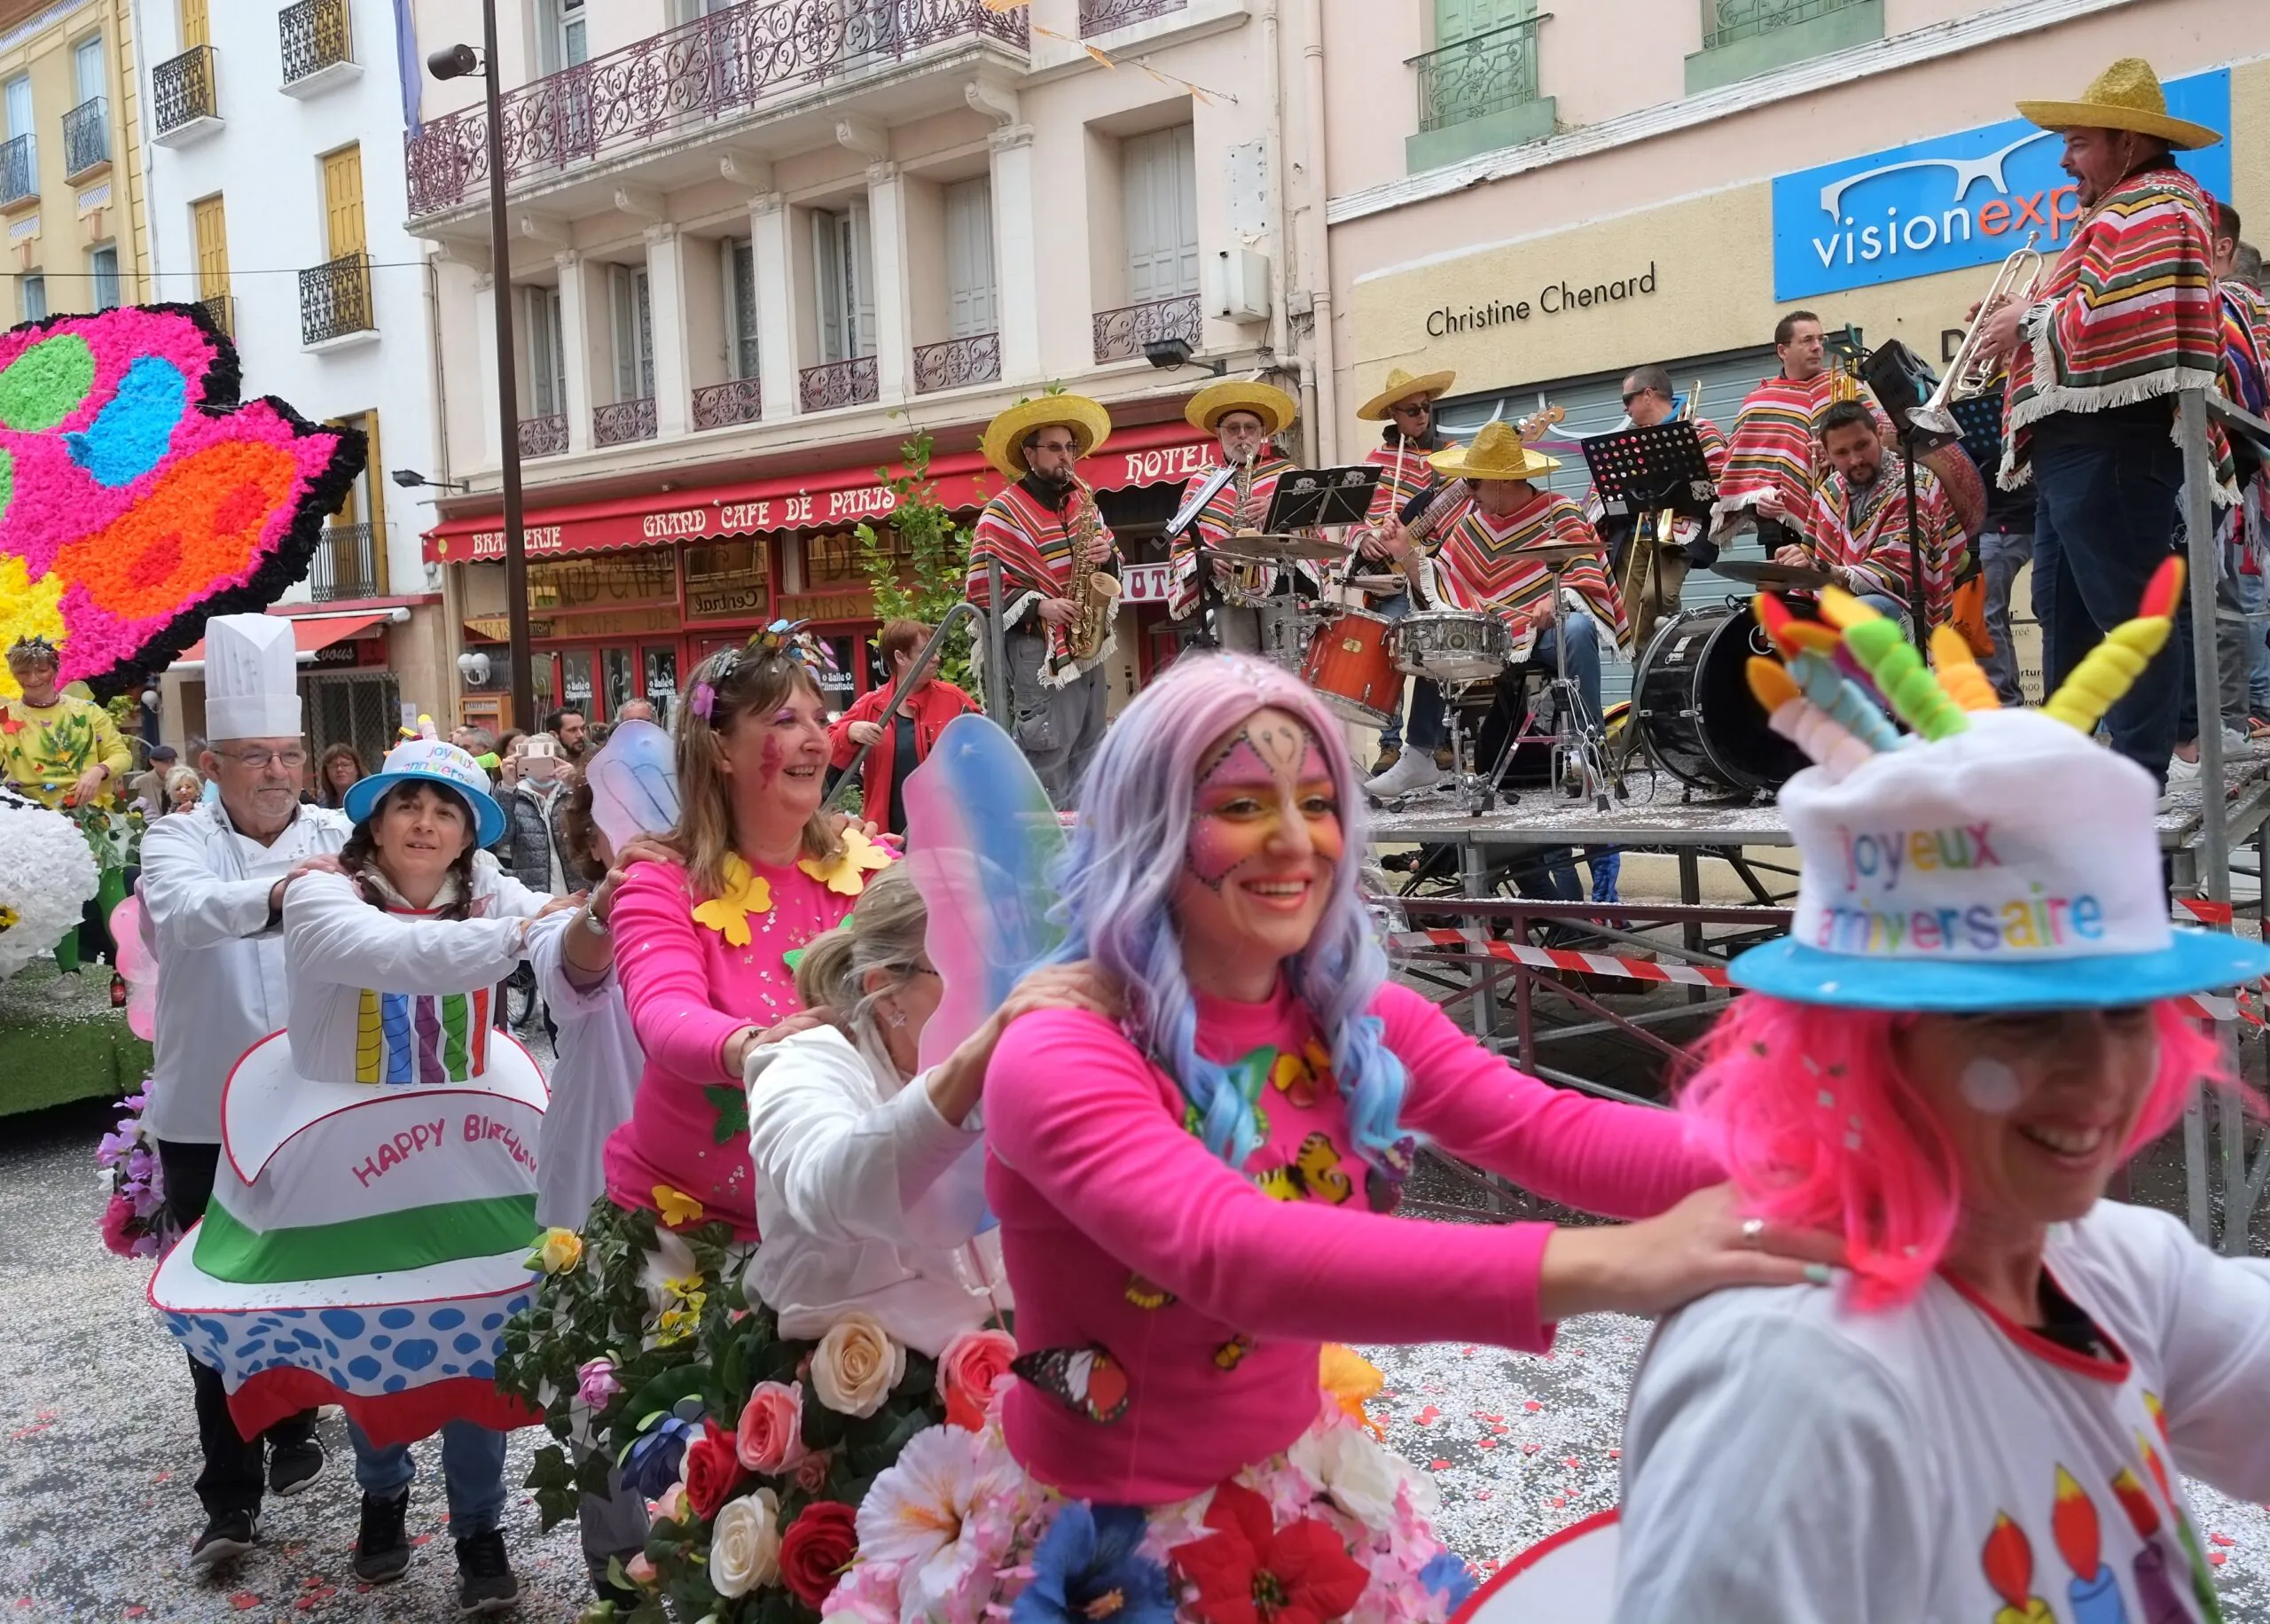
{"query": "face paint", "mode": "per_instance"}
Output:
(1246, 793)
(768, 763)
(1990, 1085)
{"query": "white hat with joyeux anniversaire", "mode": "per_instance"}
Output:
(1995, 860)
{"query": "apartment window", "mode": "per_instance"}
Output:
(102, 264)
(634, 333)
(547, 353)
(1478, 87)
(342, 202)
(1744, 38)
(843, 281)
(20, 158)
(34, 297)
(87, 67)
(564, 42)
(350, 562)
(194, 29)
(740, 254)
(1159, 185)
(208, 224)
(969, 260)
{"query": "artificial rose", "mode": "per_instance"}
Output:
(817, 1548)
(638, 1570)
(671, 1507)
(595, 1382)
(560, 1250)
(971, 1367)
(770, 1437)
(811, 1472)
(712, 1471)
(745, 1544)
(856, 1366)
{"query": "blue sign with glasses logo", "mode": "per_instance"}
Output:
(1957, 201)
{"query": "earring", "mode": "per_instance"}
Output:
(898, 1017)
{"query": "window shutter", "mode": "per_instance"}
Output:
(969, 259)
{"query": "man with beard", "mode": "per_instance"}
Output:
(1407, 405)
(213, 883)
(2122, 322)
(1774, 461)
(1861, 521)
(1045, 534)
(1245, 416)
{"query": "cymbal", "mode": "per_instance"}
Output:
(1765, 573)
(1276, 549)
(1550, 553)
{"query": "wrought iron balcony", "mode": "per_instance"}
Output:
(1102, 16)
(1121, 334)
(621, 422)
(838, 383)
(973, 360)
(722, 64)
(185, 91)
(86, 138)
(19, 170)
(222, 310)
(336, 300)
(316, 35)
(1473, 77)
(1725, 21)
(738, 400)
(545, 435)
(349, 563)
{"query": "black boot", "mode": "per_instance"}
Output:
(382, 1548)
(485, 1580)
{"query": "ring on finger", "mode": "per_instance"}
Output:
(1753, 1232)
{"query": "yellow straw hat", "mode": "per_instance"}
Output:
(1401, 385)
(1207, 407)
(2126, 95)
(1497, 452)
(1002, 442)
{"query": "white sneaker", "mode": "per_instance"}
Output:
(1413, 770)
(2180, 771)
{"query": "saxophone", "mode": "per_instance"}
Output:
(1248, 583)
(1095, 592)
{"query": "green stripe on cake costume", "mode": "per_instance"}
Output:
(445, 1232)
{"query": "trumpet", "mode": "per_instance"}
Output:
(1972, 371)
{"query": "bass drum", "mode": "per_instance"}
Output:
(1694, 708)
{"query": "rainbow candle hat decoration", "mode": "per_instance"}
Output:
(1997, 859)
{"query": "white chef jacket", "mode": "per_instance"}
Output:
(221, 966)
(866, 1198)
(593, 1082)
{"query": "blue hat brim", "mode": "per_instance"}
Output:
(2193, 962)
(488, 817)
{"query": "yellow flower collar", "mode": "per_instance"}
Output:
(745, 894)
(847, 875)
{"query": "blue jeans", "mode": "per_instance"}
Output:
(2106, 487)
(472, 1473)
(2001, 554)
(1426, 725)
(2253, 600)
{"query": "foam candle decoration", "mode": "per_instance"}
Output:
(1959, 674)
(2113, 666)
(2156, 1592)
(2202, 1579)
(1905, 679)
(2095, 1593)
(1842, 700)
(1804, 725)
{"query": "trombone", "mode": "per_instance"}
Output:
(1972, 372)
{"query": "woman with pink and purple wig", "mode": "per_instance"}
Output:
(1980, 1014)
(1194, 1199)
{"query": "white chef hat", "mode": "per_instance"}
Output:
(252, 678)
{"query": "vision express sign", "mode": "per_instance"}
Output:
(1958, 201)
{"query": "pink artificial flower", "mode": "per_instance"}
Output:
(811, 1472)
(117, 1225)
(594, 1383)
(770, 1437)
(972, 1366)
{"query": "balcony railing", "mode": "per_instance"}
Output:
(184, 89)
(545, 435)
(316, 35)
(686, 77)
(838, 383)
(973, 360)
(1725, 21)
(1483, 74)
(348, 563)
(335, 299)
(621, 422)
(86, 138)
(222, 310)
(738, 400)
(19, 170)
(1121, 334)
(1102, 16)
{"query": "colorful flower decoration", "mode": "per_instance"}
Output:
(1089, 1567)
(1351, 1381)
(677, 1208)
(745, 894)
(845, 874)
(138, 495)
(1248, 1571)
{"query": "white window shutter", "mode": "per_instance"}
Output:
(969, 259)
(862, 280)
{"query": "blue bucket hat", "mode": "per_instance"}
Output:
(432, 760)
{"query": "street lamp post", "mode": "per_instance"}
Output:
(455, 62)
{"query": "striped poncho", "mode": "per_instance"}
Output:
(1863, 529)
(1226, 513)
(2245, 322)
(1485, 563)
(1035, 546)
(2127, 314)
(1775, 446)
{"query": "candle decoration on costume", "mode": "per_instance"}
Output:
(1898, 671)
(1842, 698)
(2203, 1581)
(2113, 666)
(2094, 1594)
(1959, 671)
(1804, 725)
(2154, 1591)
(2008, 1558)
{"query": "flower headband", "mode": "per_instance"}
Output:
(34, 648)
(781, 640)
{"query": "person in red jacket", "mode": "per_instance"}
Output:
(904, 738)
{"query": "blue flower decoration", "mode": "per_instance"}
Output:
(1448, 1575)
(652, 1462)
(1089, 1568)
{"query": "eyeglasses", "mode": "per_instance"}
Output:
(1063, 446)
(259, 761)
(1634, 395)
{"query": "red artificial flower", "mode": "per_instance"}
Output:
(713, 1471)
(817, 1548)
(1250, 1571)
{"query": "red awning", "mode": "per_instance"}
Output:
(308, 633)
(1145, 454)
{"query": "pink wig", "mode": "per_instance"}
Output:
(1802, 1105)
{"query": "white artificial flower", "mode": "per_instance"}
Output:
(1359, 1475)
(940, 1515)
(745, 1544)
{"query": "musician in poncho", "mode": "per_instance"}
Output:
(1245, 417)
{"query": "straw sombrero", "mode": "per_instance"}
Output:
(2126, 95)
(1002, 442)
(1401, 385)
(1496, 453)
(1207, 407)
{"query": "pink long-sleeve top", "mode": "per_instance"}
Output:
(688, 990)
(1109, 1203)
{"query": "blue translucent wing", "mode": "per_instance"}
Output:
(634, 782)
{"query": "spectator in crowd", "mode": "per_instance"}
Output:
(636, 710)
(898, 743)
(147, 790)
(185, 791)
(336, 771)
(566, 724)
(533, 849)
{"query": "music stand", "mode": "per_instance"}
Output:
(1641, 471)
(1311, 498)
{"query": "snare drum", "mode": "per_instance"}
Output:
(1350, 667)
(1452, 645)
(1281, 634)
(1568, 1578)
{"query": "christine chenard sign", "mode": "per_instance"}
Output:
(1553, 298)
